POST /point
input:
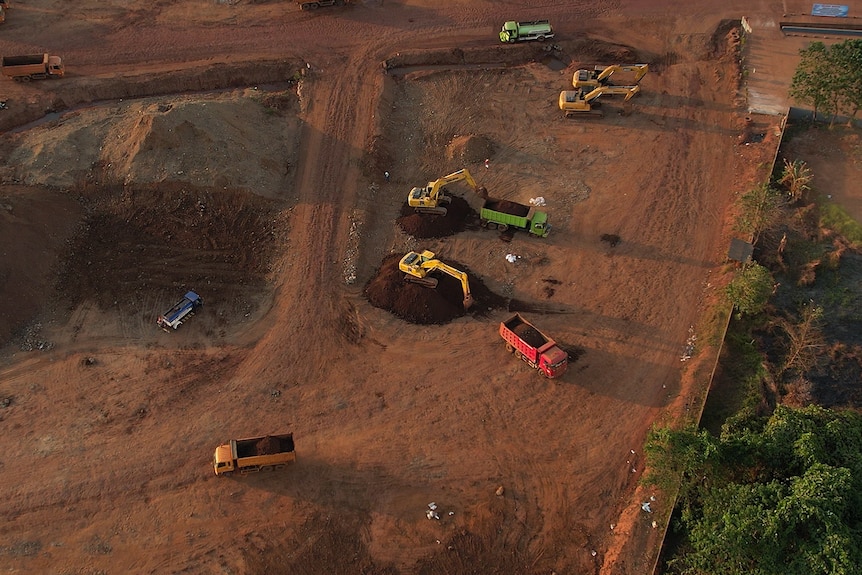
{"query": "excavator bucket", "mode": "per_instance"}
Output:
(468, 302)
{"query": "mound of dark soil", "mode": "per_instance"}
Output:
(154, 242)
(416, 304)
(267, 446)
(508, 207)
(470, 149)
(458, 214)
(530, 334)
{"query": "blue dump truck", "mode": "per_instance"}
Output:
(173, 318)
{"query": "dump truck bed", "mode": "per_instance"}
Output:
(267, 445)
(27, 60)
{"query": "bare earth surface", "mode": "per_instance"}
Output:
(238, 150)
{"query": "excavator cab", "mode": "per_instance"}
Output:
(431, 198)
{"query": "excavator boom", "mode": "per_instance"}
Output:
(575, 103)
(600, 75)
(417, 266)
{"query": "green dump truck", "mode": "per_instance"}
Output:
(524, 31)
(497, 214)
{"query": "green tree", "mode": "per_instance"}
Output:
(814, 78)
(829, 78)
(846, 57)
(750, 289)
(760, 209)
(778, 495)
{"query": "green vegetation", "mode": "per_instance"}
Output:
(834, 217)
(750, 289)
(761, 209)
(775, 495)
(771, 483)
(829, 78)
(796, 178)
(737, 386)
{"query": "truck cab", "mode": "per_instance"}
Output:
(223, 461)
(539, 225)
(554, 362)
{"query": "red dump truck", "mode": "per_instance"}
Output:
(32, 67)
(535, 348)
(263, 453)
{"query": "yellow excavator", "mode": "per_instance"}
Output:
(579, 103)
(601, 75)
(416, 267)
(432, 198)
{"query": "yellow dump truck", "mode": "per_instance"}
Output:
(264, 453)
(32, 67)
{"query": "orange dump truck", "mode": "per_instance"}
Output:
(32, 67)
(263, 453)
(535, 348)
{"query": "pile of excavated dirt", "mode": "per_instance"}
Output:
(470, 149)
(269, 445)
(530, 335)
(216, 140)
(421, 305)
(508, 207)
(155, 241)
(458, 215)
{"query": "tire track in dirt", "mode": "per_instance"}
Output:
(309, 299)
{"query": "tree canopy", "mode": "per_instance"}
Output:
(777, 495)
(829, 78)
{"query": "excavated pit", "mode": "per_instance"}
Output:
(413, 303)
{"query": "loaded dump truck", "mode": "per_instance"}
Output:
(173, 318)
(523, 31)
(535, 348)
(305, 5)
(32, 67)
(264, 453)
(496, 214)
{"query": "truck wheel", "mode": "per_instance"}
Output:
(509, 348)
(266, 468)
(541, 38)
(502, 227)
(492, 226)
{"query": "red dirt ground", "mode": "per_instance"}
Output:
(238, 149)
